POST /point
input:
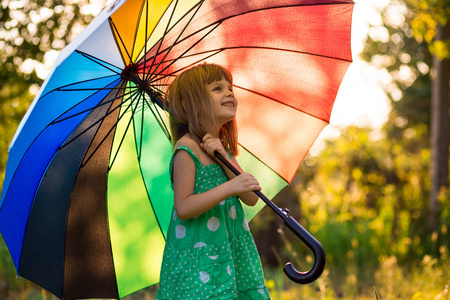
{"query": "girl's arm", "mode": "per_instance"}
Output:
(210, 145)
(189, 205)
(249, 198)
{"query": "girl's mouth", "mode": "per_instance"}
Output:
(229, 104)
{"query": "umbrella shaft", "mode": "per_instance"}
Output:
(275, 208)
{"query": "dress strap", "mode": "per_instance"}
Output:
(197, 162)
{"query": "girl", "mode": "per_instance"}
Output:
(209, 253)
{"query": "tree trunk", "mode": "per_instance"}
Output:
(440, 127)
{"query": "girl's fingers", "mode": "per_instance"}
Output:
(246, 182)
(211, 144)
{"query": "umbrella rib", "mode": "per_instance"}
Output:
(96, 122)
(61, 88)
(217, 51)
(97, 60)
(106, 136)
(144, 3)
(142, 124)
(199, 5)
(333, 2)
(158, 118)
(160, 43)
(89, 109)
(268, 48)
(146, 34)
(125, 132)
(121, 41)
(196, 7)
(256, 157)
(182, 55)
(165, 129)
(278, 101)
(90, 89)
(190, 65)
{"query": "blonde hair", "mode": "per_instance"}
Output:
(190, 105)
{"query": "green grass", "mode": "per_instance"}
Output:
(429, 279)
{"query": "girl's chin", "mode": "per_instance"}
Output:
(223, 121)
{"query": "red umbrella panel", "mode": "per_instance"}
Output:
(286, 73)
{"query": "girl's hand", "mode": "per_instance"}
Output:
(211, 144)
(244, 183)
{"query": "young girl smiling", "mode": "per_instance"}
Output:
(210, 252)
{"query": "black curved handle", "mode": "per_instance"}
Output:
(316, 248)
(295, 227)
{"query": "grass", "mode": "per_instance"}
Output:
(427, 280)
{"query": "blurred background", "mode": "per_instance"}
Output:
(374, 189)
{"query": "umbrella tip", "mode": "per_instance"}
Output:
(129, 72)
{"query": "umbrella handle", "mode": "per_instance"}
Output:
(316, 248)
(298, 230)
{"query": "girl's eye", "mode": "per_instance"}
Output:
(217, 88)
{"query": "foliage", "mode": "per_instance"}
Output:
(391, 47)
(366, 203)
(428, 15)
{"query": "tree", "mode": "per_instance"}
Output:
(431, 24)
(412, 49)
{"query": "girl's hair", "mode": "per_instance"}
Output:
(191, 108)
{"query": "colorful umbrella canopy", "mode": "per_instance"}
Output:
(86, 199)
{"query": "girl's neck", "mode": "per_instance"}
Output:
(194, 138)
(215, 132)
(198, 140)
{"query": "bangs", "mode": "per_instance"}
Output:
(216, 73)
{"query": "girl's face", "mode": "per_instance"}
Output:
(224, 103)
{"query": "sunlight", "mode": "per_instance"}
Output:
(361, 100)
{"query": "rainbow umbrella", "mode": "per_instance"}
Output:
(86, 198)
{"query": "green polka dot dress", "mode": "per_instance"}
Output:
(212, 256)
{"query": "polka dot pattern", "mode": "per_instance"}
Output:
(212, 256)
(204, 276)
(180, 231)
(213, 224)
(233, 212)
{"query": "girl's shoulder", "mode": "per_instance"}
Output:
(188, 142)
(193, 145)
(186, 157)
